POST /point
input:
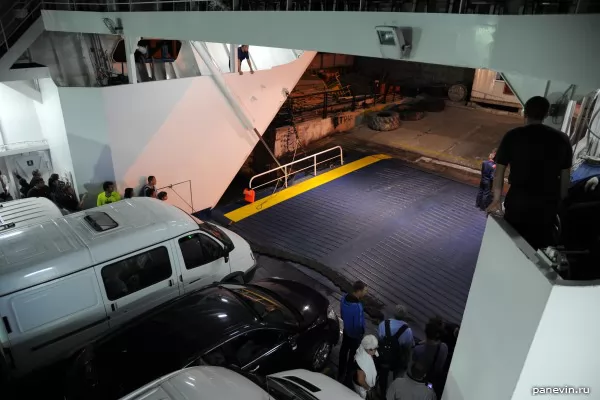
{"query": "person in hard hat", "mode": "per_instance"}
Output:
(540, 159)
(484, 195)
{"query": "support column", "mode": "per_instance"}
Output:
(233, 58)
(130, 48)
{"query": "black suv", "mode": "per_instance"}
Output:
(269, 326)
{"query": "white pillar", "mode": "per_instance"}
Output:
(130, 48)
(233, 58)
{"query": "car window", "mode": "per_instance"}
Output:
(269, 309)
(245, 348)
(282, 389)
(199, 249)
(136, 273)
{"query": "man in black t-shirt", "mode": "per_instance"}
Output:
(540, 159)
(149, 189)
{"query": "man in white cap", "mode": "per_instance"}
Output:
(365, 375)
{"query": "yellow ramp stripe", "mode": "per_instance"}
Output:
(293, 191)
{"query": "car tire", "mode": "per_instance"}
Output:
(320, 355)
(234, 277)
(80, 374)
(384, 121)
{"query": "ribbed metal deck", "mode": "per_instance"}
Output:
(413, 237)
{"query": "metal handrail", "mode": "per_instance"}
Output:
(116, 3)
(8, 30)
(189, 182)
(287, 173)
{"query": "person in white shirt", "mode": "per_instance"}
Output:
(411, 386)
(365, 375)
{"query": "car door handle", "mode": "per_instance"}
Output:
(113, 307)
(254, 369)
(170, 282)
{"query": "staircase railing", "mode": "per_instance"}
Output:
(448, 6)
(15, 20)
(287, 171)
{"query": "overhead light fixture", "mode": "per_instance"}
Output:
(394, 42)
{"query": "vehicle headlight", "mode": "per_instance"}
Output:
(331, 313)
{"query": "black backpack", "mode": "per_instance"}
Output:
(390, 352)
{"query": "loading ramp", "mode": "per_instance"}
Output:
(412, 236)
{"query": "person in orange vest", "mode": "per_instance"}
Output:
(484, 195)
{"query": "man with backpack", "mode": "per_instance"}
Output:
(395, 347)
(432, 354)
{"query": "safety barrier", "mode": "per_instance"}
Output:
(287, 170)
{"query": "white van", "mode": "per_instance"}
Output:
(68, 279)
(22, 212)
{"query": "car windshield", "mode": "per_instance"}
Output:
(216, 232)
(263, 304)
(282, 389)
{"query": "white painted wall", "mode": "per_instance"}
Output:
(52, 124)
(269, 57)
(18, 117)
(219, 55)
(555, 361)
(87, 134)
(505, 304)
(177, 130)
(523, 327)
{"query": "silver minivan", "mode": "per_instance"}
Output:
(66, 280)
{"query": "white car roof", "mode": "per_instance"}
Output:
(25, 212)
(328, 389)
(200, 383)
(56, 247)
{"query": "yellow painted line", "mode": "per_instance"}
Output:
(293, 191)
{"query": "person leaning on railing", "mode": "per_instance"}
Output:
(243, 54)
